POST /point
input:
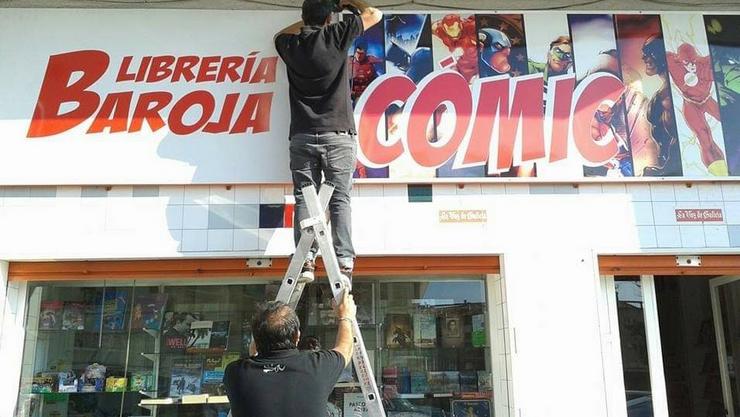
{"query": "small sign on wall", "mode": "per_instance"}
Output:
(463, 216)
(354, 405)
(699, 215)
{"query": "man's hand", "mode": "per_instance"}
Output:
(347, 308)
(370, 15)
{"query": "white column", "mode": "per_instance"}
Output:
(11, 340)
(557, 365)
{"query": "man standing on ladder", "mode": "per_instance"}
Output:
(322, 127)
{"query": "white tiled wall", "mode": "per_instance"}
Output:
(499, 334)
(71, 222)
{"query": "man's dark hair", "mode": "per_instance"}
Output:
(315, 12)
(275, 326)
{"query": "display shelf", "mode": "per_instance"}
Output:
(81, 392)
(465, 395)
(168, 401)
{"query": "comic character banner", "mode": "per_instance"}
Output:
(188, 97)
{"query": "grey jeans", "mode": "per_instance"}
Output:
(334, 155)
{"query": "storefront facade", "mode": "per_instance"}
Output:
(522, 252)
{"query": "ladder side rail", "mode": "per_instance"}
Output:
(340, 283)
(290, 290)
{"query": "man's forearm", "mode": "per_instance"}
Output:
(293, 29)
(361, 5)
(344, 343)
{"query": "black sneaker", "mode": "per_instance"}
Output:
(346, 271)
(307, 273)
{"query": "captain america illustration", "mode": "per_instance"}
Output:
(495, 48)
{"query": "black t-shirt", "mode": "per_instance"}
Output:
(285, 383)
(317, 73)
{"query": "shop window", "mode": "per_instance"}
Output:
(140, 349)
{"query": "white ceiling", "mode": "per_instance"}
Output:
(498, 5)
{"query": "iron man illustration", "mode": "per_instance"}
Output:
(459, 36)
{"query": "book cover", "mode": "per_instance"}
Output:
(398, 331)
(485, 381)
(468, 381)
(436, 381)
(199, 339)
(478, 335)
(452, 334)
(149, 311)
(186, 376)
(364, 299)
(419, 383)
(73, 316)
(219, 336)
(113, 309)
(115, 384)
(354, 405)
(141, 381)
(55, 406)
(51, 315)
(390, 379)
(213, 382)
(404, 381)
(176, 330)
(67, 382)
(471, 408)
(425, 329)
(451, 381)
(229, 357)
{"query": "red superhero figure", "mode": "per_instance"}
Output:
(459, 36)
(363, 68)
(692, 75)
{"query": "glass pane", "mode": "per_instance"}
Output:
(634, 347)
(76, 351)
(433, 348)
(729, 299)
(690, 359)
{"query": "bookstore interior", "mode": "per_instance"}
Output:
(138, 348)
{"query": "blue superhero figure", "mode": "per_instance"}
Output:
(494, 50)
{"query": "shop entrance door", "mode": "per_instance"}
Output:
(725, 293)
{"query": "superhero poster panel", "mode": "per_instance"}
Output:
(694, 95)
(408, 51)
(595, 50)
(651, 125)
(454, 46)
(723, 34)
(502, 50)
(550, 53)
(366, 63)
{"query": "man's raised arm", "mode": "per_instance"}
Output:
(293, 29)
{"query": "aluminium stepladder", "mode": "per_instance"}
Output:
(315, 227)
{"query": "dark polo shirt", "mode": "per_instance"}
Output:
(317, 73)
(285, 383)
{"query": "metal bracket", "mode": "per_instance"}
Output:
(259, 262)
(688, 260)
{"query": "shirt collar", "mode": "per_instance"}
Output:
(279, 354)
(310, 28)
